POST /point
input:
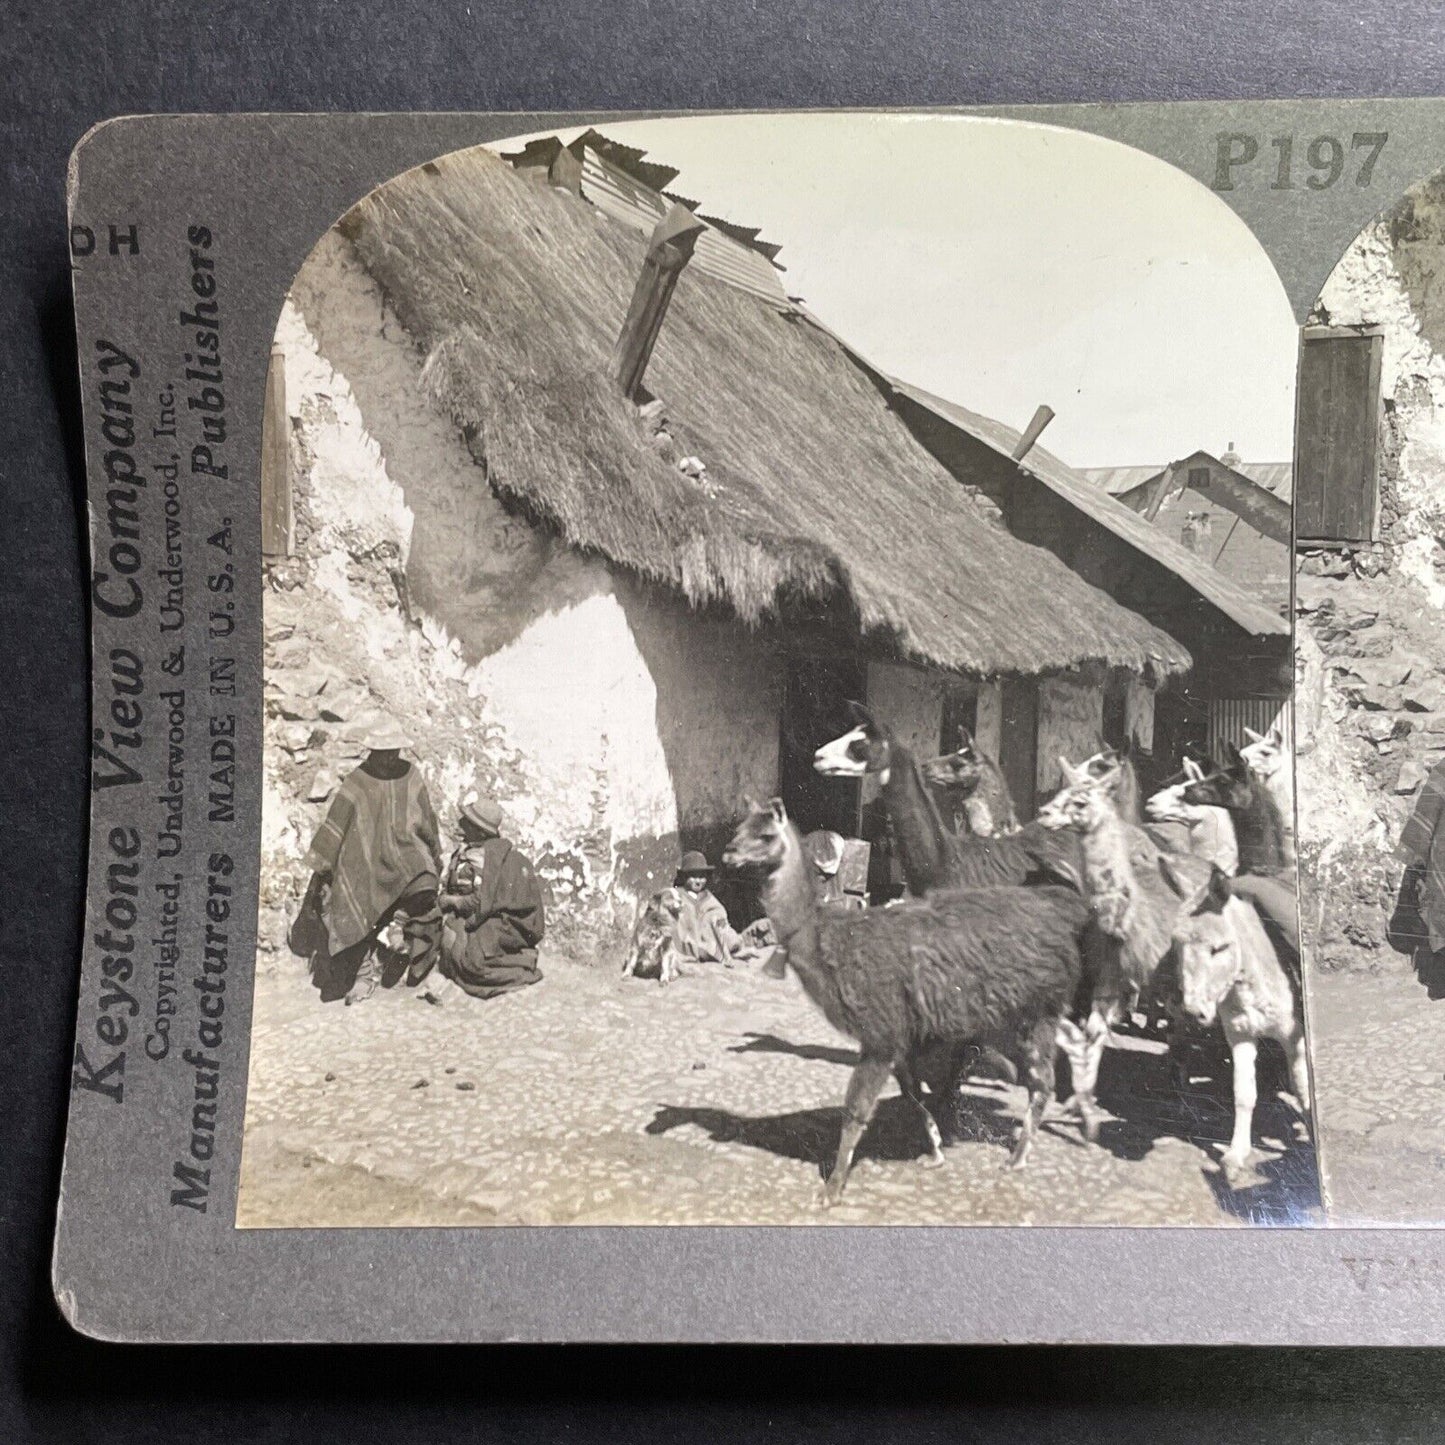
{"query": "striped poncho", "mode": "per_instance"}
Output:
(378, 844)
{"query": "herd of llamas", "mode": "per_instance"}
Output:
(1021, 942)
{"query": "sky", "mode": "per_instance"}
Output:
(1002, 265)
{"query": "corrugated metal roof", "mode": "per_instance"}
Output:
(1275, 477)
(1088, 497)
(1118, 480)
(619, 195)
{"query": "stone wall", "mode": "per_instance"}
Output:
(1371, 621)
(615, 725)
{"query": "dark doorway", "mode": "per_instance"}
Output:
(815, 711)
(960, 710)
(1019, 745)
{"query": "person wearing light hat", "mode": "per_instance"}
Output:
(370, 914)
(492, 910)
(704, 934)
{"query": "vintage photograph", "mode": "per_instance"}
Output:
(1370, 605)
(778, 690)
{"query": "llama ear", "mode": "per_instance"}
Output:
(1072, 775)
(1236, 758)
(1253, 736)
(751, 803)
(779, 812)
(1192, 771)
(965, 739)
(862, 716)
(1275, 735)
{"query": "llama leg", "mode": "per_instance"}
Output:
(1038, 1072)
(1084, 1049)
(908, 1082)
(858, 1105)
(1243, 1054)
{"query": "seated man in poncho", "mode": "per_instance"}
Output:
(704, 934)
(492, 908)
(370, 914)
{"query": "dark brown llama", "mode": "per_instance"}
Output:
(934, 860)
(974, 791)
(1259, 829)
(995, 966)
(930, 855)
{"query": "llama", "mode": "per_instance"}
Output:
(1200, 829)
(653, 953)
(930, 855)
(995, 967)
(1135, 903)
(1134, 900)
(1258, 825)
(934, 859)
(1117, 770)
(973, 784)
(1229, 969)
(1270, 761)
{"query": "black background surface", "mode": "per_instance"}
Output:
(68, 64)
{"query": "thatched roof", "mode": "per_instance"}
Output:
(815, 489)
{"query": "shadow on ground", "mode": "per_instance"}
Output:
(1136, 1086)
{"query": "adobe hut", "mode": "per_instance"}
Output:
(1239, 641)
(655, 604)
(1237, 515)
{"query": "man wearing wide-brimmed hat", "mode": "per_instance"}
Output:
(492, 908)
(704, 934)
(375, 861)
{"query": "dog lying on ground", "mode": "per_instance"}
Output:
(653, 953)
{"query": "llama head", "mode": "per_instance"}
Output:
(1168, 805)
(864, 748)
(1263, 753)
(960, 771)
(762, 840)
(1208, 947)
(1231, 787)
(1084, 803)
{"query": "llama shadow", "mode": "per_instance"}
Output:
(1139, 1090)
(894, 1135)
(815, 1053)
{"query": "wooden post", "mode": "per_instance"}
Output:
(669, 250)
(565, 172)
(1162, 488)
(276, 523)
(1042, 417)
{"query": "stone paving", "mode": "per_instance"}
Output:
(592, 1099)
(1379, 1050)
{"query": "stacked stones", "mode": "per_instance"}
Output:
(1383, 697)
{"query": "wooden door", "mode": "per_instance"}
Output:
(1019, 752)
(1337, 431)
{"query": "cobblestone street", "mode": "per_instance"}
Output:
(1380, 1068)
(590, 1099)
